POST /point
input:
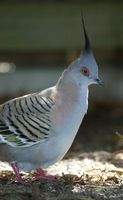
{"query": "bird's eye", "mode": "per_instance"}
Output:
(85, 71)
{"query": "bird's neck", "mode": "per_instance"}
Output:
(68, 86)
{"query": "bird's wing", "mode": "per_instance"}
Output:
(25, 121)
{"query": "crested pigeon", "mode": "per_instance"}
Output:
(36, 130)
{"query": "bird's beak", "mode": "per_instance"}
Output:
(99, 81)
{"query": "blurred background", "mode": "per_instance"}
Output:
(38, 39)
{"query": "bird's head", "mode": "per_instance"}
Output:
(84, 70)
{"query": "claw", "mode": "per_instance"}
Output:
(18, 177)
(41, 174)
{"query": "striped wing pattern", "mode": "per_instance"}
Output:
(26, 121)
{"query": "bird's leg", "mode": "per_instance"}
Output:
(15, 168)
(41, 174)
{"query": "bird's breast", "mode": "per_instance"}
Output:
(68, 114)
(66, 119)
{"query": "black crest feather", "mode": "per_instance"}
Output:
(87, 41)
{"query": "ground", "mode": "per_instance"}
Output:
(92, 169)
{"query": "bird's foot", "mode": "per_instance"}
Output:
(41, 174)
(18, 177)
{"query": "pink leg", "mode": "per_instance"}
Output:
(16, 171)
(18, 177)
(41, 174)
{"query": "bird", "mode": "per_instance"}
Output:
(37, 130)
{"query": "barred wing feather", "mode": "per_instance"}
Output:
(26, 121)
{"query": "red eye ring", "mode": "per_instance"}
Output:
(85, 71)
